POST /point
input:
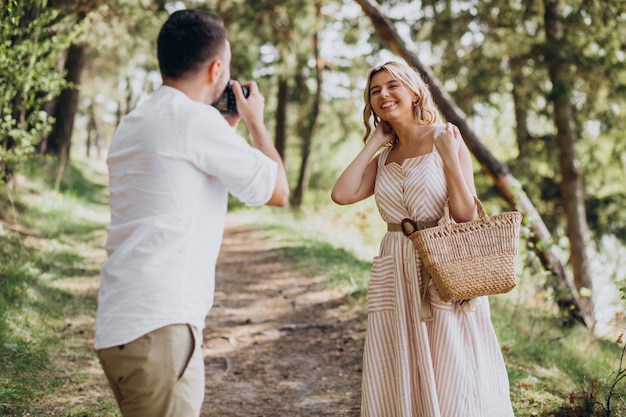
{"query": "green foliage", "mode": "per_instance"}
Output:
(32, 39)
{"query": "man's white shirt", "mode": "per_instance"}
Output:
(172, 163)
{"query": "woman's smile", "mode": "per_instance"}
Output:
(388, 104)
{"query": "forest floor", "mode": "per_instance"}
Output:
(278, 342)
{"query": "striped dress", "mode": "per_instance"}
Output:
(450, 366)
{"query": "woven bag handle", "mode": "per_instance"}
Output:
(447, 219)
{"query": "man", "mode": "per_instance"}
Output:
(172, 162)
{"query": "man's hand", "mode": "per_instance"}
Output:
(250, 109)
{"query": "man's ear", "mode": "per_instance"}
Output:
(214, 71)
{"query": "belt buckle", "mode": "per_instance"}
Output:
(408, 227)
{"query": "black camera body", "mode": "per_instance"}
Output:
(227, 103)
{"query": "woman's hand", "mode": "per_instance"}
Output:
(383, 135)
(448, 143)
(457, 165)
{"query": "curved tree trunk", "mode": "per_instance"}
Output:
(508, 186)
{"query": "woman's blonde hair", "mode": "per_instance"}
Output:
(424, 109)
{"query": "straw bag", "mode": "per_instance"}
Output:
(472, 259)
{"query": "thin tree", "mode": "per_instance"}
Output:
(59, 141)
(281, 116)
(571, 181)
(307, 131)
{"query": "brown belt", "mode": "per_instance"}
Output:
(416, 225)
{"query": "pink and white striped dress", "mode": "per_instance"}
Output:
(450, 366)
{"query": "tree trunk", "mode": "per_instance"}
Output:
(309, 130)
(59, 141)
(571, 178)
(94, 132)
(520, 103)
(508, 186)
(281, 116)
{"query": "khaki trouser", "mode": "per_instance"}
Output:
(161, 374)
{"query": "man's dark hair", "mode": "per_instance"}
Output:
(188, 39)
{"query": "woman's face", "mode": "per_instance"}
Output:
(391, 100)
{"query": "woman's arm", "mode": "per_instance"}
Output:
(356, 183)
(457, 164)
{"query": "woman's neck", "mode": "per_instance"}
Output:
(409, 132)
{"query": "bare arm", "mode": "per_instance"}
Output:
(251, 111)
(457, 164)
(356, 183)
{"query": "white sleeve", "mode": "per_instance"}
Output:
(219, 151)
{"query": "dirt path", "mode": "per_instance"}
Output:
(277, 343)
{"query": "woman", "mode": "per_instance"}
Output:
(423, 357)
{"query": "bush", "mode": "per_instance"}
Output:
(32, 40)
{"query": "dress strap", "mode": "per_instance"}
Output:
(382, 159)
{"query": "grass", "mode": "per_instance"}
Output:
(49, 279)
(48, 284)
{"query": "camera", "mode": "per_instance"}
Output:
(227, 104)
